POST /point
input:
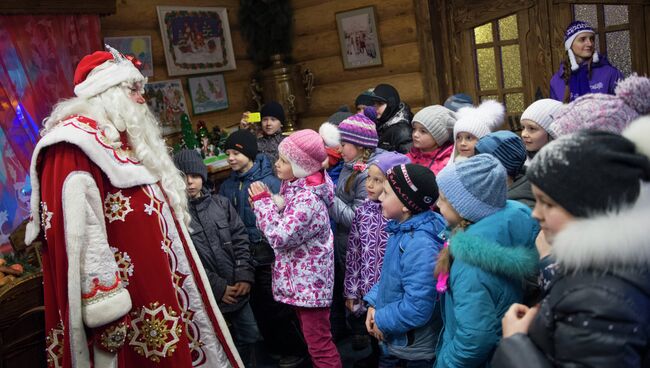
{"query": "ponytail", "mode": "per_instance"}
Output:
(566, 76)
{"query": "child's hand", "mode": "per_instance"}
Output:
(518, 319)
(370, 319)
(230, 295)
(377, 333)
(243, 288)
(243, 123)
(256, 188)
(349, 303)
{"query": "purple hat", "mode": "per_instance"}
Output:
(388, 159)
(359, 130)
(572, 31)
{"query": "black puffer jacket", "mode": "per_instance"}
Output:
(596, 312)
(220, 239)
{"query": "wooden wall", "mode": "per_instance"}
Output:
(139, 17)
(316, 46)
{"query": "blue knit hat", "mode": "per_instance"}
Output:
(507, 147)
(475, 187)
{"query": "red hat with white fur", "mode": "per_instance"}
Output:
(102, 70)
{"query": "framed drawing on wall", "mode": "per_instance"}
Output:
(136, 46)
(359, 38)
(167, 102)
(195, 39)
(207, 93)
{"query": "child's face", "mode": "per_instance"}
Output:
(360, 109)
(447, 211)
(422, 139)
(271, 125)
(283, 169)
(375, 183)
(350, 152)
(238, 161)
(380, 107)
(552, 217)
(533, 135)
(391, 207)
(584, 45)
(194, 185)
(465, 143)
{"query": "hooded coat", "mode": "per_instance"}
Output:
(491, 259)
(394, 125)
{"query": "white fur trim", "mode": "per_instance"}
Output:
(639, 133)
(121, 174)
(608, 241)
(107, 75)
(104, 359)
(107, 310)
(330, 134)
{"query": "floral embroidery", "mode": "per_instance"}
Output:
(54, 343)
(46, 218)
(124, 265)
(117, 206)
(113, 338)
(155, 331)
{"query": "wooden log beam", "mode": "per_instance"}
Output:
(101, 7)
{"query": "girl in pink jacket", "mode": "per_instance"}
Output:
(296, 224)
(432, 143)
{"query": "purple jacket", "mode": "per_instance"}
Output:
(300, 234)
(604, 78)
(366, 247)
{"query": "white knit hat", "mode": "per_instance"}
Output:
(542, 112)
(102, 70)
(572, 31)
(480, 121)
(438, 120)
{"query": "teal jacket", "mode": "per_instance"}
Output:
(491, 258)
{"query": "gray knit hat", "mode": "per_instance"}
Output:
(190, 162)
(438, 120)
(541, 112)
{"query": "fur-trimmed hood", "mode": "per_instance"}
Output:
(609, 241)
(502, 243)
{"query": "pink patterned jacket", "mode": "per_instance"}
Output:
(300, 234)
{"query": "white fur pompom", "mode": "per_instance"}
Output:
(279, 201)
(492, 112)
(330, 134)
(639, 133)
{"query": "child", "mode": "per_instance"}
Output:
(472, 124)
(222, 244)
(432, 146)
(394, 119)
(367, 243)
(490, 252)
(275, 320)
(401, 305)
(272, 120)
(536, 123)
(362, 101)
(585, 71)
(298, 229)
(358, 147)
(329, 130)
(509, 149)
(596, 312)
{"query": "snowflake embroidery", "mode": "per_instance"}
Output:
(124, 265)
(54, 341)
(155, 331)
(117, 206)
(46, 218)
(148, 209)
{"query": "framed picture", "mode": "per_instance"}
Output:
(167, 102)
(137, 46)
(196, 39)
(358, 37)
(207, 93)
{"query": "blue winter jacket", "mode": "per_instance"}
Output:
(405, 296)
(235, 188)
(491, 258)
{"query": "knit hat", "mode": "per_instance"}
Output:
(305, 151)
(371, 113)
(385, 93)
(365, 98)
(475, 187)
(438, 120)
(102, 70)
(572, 31)
(590, 172)
(359, 130)
(337, 117)
(507, 147)
(414, 185)
(542, 112)
(455, 102)
(387, 159)
(606, 112)
(189, 161)
(243, 141)
(481, 120)
(273, 109)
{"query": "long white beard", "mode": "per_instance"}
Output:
(112, 109)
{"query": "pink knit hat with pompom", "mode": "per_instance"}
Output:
(611, 113)
(305, 150)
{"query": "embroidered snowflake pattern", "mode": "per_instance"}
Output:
(117, 206)
(155, 331)
(124, 265)
(46, 218)
(54, 342)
